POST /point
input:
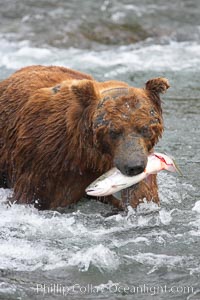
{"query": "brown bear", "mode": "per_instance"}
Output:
(60, 129)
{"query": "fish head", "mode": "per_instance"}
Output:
(99, 187)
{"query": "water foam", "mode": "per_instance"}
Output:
(157, 261)
(99, 256)
(174, 56)
(196, 207)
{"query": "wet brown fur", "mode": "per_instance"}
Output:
(60, 129)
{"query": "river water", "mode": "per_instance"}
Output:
(153, 253)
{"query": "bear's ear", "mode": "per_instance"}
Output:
(157, 85)
(84, 91)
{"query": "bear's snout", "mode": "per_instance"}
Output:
(133, 170)
(131, 156)
(133, 167)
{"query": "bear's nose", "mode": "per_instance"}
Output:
(131, 167)
(133, 170)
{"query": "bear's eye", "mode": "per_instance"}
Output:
(145, 132)
(152, 112)
(114, 134)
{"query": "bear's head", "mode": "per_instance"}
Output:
(128, 123)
